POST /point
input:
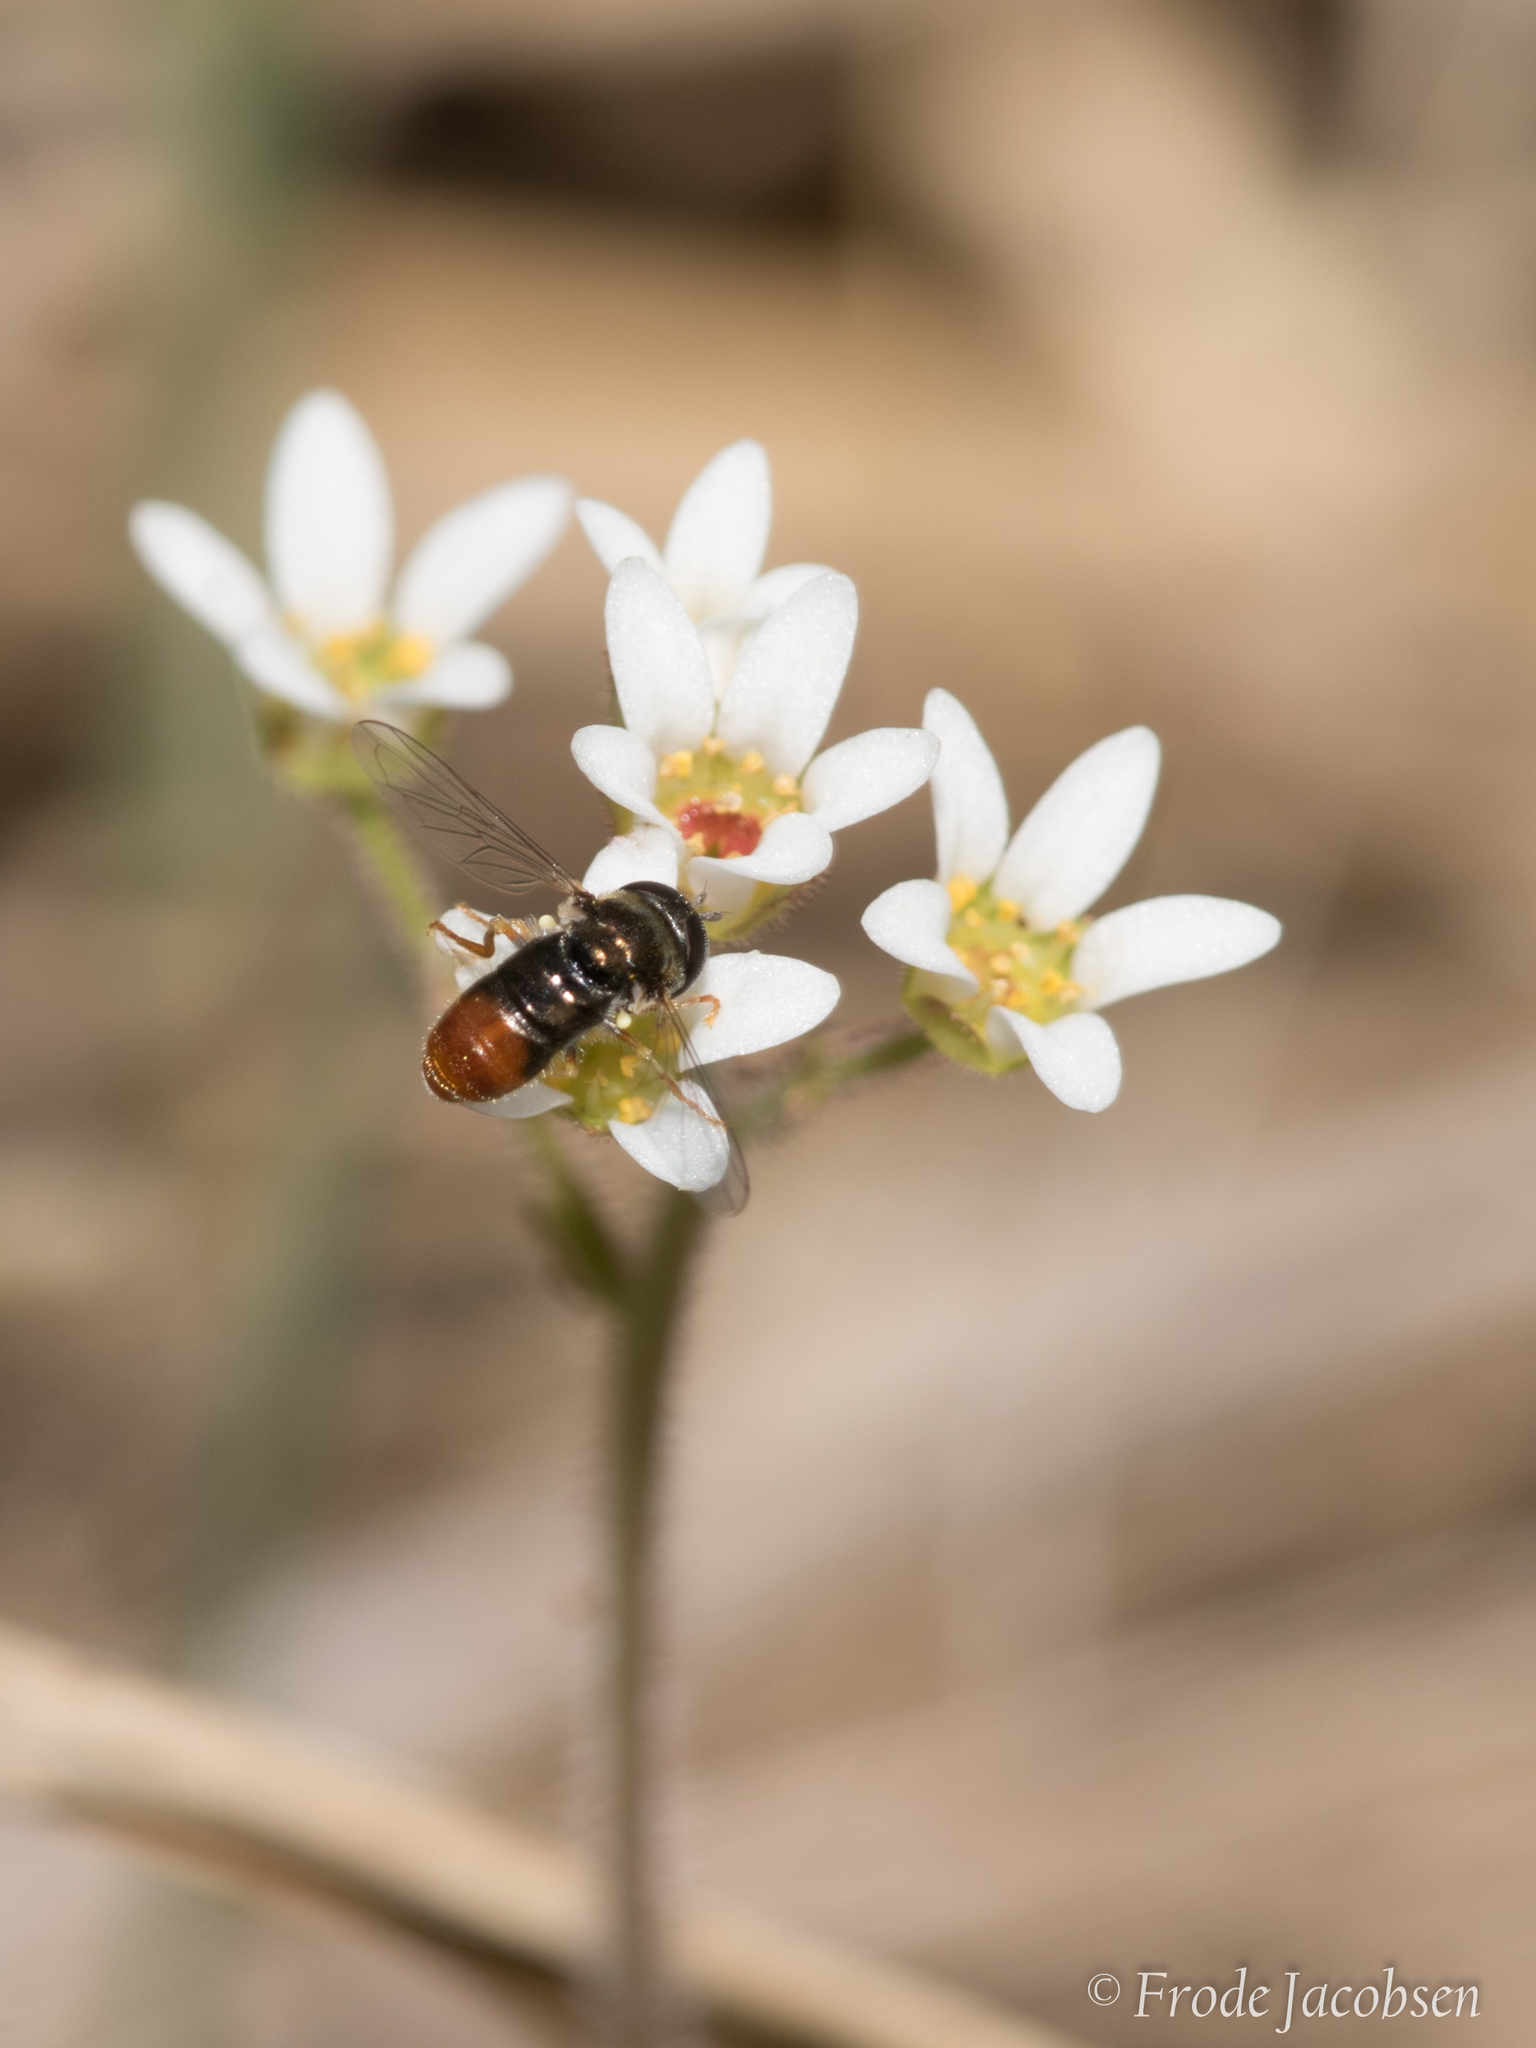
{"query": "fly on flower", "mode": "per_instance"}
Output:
(617, 964)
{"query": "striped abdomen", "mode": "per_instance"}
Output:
(504, 1030)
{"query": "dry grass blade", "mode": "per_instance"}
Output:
(235, 1796)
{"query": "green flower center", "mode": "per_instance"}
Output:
(607, 1081)
(1014, 965)
(360, 663)
(721, 806)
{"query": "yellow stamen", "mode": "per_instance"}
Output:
(632, 1110)
(750, 762)
(1052, 983)
(1000, 963)
(1070, 930)
(677, 765)
(783, 785)
(713, 746)
(974, 917)
(1007, 911)
(962, 890)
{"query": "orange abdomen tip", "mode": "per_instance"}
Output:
(474, 1052)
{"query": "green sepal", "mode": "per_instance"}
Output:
(949, 1033)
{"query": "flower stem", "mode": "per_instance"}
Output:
(647, 1329)
(643, 1294)
(389, 865)
(820, 1072)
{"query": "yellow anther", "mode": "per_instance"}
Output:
(406, 655)
(1070, 930)
(1052, 983)
(628, 1064)
(1001, 987)
(751, 762)
(1020, 949)
(677, 765)
(974, 917)
(962, 890)
(712, 746)
(783, 785)
(695, 842)
(1007, 911)
(1001, 963)
(633, 1110)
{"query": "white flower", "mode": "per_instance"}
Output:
(734, 782)
(322, 632)
(759, 1000)
(714, 551)
(1005, 964)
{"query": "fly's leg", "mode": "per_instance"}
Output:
(713, 1002)
(493, 928)
(646, 1053)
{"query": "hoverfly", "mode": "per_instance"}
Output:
(601, 960)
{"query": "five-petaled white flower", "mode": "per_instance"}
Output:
(325, 635)
(741, 1003)
(1005, 966)
(713, 556)
(734, 782)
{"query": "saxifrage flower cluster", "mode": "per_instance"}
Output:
(726, 678)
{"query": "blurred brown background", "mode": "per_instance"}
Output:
(1097, 1544)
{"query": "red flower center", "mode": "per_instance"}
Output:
(723, 832)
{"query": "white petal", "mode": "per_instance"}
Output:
(970, 806)
(765, 998)
(785, 685)
(468, 677)
(206, 574)
(615, 536)
(622, 766)
(690, 1151)
(1076, 1057)
(1168, 939)
(1081, 833)
(911, 923)
(660, 669)
(717, 887)
(719, 533)
(868, 773)
(475, 556)
(770, 591)
(278, 665)
(792, 849)
(330, 528)
(648, 854)
(530, 1101)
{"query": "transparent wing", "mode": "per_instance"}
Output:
(454, 820)
(728, 1196)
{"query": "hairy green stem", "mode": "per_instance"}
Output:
(644, 1294)
(642, 1355)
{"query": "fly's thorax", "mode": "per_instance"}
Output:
(650, 935)
(1016, 966)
